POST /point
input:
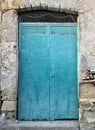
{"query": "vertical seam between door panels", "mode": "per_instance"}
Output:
(49, 65)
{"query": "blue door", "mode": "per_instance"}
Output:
(47, 87)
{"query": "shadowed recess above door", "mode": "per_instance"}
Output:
(47, 16)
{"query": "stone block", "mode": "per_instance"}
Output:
(9, 34)
(4, 4)
(86, 126)
(8, 106)
(86, 40)
(35, 4)
(24, 3)
(79, 5)
(0, 17)
(83, 64)
(9, 47)
(44, 6)
(87, 90)
(10, 115)
(65, 5)
(52, 5)
(12, 58)
(9, 94)
(89, 116)
(9, 26)
(87, 105)
(13, 4)
(9, 4)
(9, 60)
(73, 5)
(8, 72)
(7, 83)
(42, 125)
(88, 5)
(0, 27)
(2, 119)
(0, 4)
(32, 4)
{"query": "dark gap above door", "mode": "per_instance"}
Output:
(47, 16)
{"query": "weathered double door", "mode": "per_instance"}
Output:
(47, 88)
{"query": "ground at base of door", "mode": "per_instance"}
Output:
(43, 125)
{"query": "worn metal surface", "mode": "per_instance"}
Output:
(47, 72)
(63, 68)
(33, 100)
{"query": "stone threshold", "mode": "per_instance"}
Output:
(43, 125)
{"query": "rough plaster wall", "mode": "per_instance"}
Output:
(86, 50)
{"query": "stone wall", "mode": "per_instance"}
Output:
(9, 63)
(86, 52)
(0, 57)
(87, 66)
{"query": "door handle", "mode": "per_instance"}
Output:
(52, 75)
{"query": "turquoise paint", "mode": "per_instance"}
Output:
(47, 88)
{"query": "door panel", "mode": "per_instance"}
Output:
(63, 68)
(33, 91)
(47, 72)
